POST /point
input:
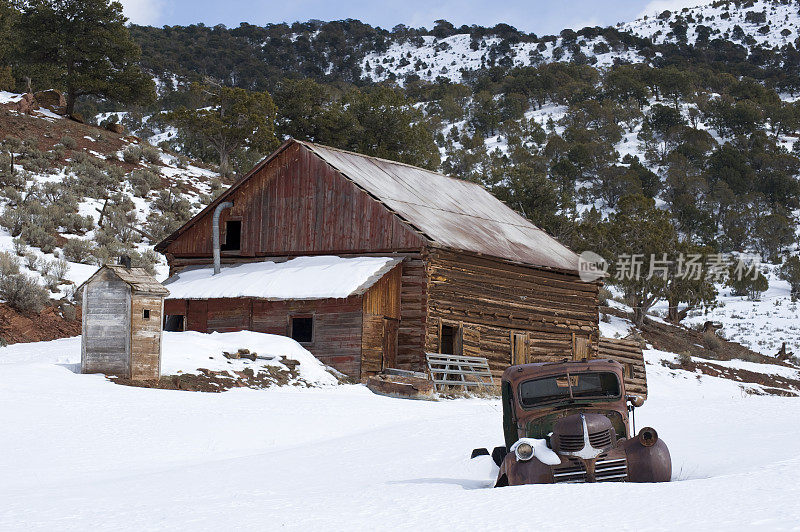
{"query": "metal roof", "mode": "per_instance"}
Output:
(138, 279)
(450, 212)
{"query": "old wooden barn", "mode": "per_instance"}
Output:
(438, 265)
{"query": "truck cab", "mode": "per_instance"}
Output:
(569, 422)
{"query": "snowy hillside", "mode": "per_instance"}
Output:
(133, 458)
(124, 189)
(767, 23)
(453, 57)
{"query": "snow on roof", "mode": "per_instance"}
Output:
(323, 277)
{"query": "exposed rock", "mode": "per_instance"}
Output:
(77, 117)
(27, 104)
(116, 128)
(53, 100)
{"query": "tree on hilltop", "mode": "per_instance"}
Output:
(84, 48)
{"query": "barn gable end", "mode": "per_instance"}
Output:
(295, 204)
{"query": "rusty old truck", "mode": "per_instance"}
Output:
(569, 422)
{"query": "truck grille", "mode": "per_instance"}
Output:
(614, 470)
(600, 439)
(570, 444)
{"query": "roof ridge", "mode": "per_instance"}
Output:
(313, 145)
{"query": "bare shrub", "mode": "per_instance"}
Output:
(37, 237)
(143, 181)
(45, 267)
(151, 154)
(69, 312)
(604, 295)
(32, 261)
(23, 293)
(19, 247)
(9, 264)
(712, 341)
(68, 142)
(60, 269)
(132, 154)
(77, 250)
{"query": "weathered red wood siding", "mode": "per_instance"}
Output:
(337, 323)
(298, 205)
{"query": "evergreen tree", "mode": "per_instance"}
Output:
(387, 125)
(790, 272)
(639, 231)
(83, 47)
(235, 122)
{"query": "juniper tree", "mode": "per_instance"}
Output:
(232, 120)
(84, 47)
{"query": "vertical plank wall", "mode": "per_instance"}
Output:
(105, 342)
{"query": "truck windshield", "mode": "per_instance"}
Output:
(573, 386)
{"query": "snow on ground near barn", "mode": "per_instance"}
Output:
(79, 452)
(186, 352)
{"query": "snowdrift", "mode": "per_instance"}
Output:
(194, 353)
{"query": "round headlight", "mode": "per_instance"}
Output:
(524, 451)
(648, 436)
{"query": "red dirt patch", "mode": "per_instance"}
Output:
(771, 384)
(50, 324)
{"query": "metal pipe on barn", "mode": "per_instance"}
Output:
(215, 232)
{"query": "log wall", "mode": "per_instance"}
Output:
(413, 314)
(490, 300)
(629, 354)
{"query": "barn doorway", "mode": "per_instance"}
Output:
(301, 329)
(174, 322)
(450, 339)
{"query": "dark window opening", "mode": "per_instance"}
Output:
(447, 343)
(302, 329)
(146, 314)
(233, 236)
(173, 322)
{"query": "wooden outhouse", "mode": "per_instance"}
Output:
(122, 313)
(472, 276)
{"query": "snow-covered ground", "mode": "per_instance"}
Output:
(187, 352)
(770, 23)
(79, 452)
(762, 325)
